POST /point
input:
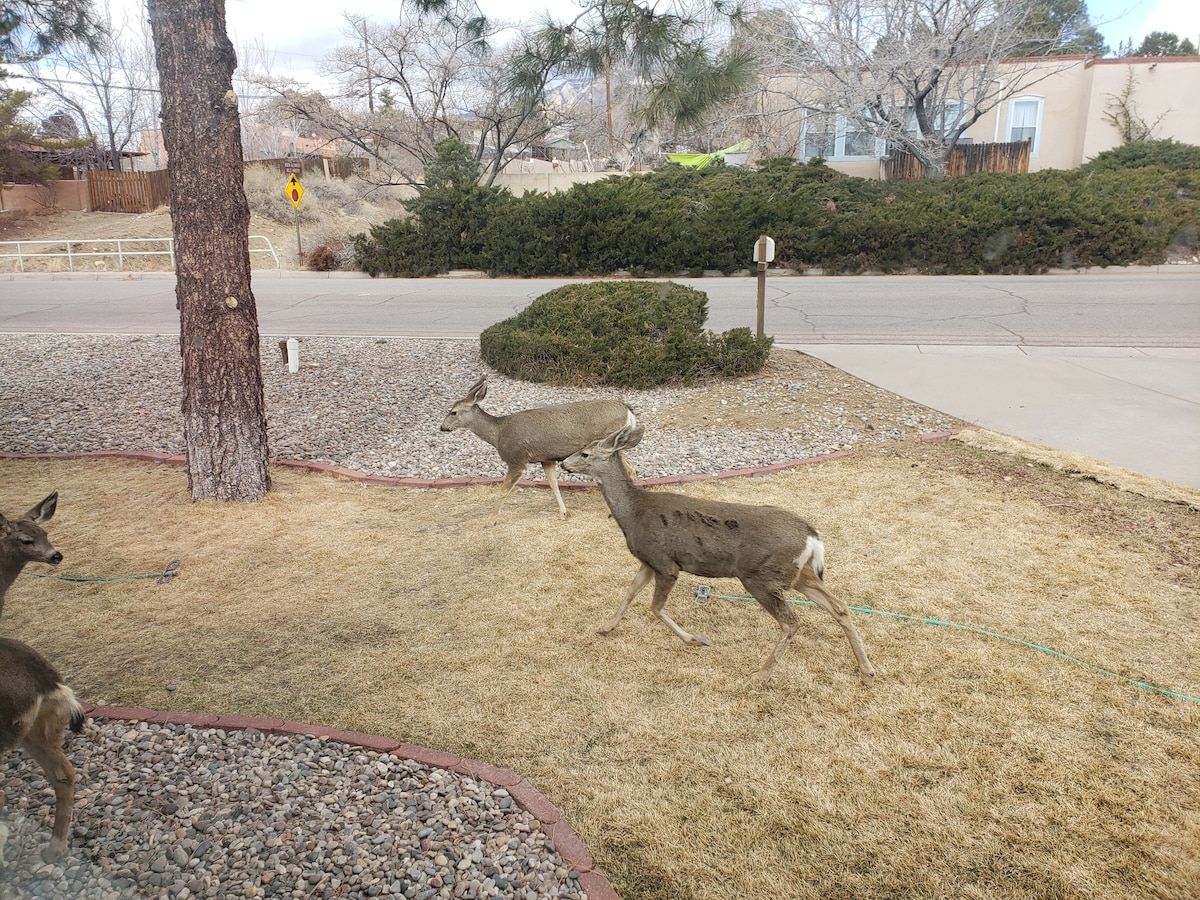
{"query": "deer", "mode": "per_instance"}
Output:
(769, 549)
(542, 434)
(36, 706)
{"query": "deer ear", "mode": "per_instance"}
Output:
(478, 390)
(44, 511)
(630, 436)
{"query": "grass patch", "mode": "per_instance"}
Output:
(973, 768)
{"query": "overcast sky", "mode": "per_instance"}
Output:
(302, 30)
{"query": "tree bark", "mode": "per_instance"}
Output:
(224, 414)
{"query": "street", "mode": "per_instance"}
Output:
(1157, 307)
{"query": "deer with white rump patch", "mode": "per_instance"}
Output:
(770, 550)
(543, 434)
(35, 705)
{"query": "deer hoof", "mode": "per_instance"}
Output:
(53, 853)
(700, 641)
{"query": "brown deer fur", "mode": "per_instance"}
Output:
(770, 550)
(543, 434)
(35, 705)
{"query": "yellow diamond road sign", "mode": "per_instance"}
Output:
(295, 191)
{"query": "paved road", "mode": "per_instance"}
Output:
(1142, 308)
(1104, 363)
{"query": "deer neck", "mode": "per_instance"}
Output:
(9, 570)
(485, 425)
(618, 490)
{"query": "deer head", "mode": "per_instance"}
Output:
(460, 413)
(24, 541)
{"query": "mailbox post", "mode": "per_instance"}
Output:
(764, 252)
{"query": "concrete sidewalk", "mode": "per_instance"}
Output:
(1137, 408)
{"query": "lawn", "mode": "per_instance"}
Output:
(974, 767)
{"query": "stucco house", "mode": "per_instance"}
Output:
(1061, 105)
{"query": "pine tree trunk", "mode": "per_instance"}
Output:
(224, 414)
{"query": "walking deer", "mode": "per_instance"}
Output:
(543, 434)
(36, 706)
(770, 550)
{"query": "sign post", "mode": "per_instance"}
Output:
(764, 252)
(295, 193)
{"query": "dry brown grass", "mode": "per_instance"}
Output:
(973, 768)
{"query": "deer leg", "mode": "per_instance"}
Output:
(814, 589)
(3, 832)
(510, 481)
(772, 599)
(552, 477)
(640, 580)
(662, 587)
(61, 775)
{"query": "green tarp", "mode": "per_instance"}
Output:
(700, 160)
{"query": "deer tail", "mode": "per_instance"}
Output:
(813, 555)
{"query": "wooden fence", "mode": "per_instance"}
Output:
(131, 192)
(316, 166)
(964, 160)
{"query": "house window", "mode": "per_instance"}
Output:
(857, 143)
(820, 135)
(1025, 121)
(830, 136)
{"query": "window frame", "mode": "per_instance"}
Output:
(841, 129)
(1040, 107)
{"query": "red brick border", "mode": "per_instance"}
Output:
(422, 483)
(567, 842)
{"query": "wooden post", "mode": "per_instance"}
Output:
(762, 296)
(764, 252)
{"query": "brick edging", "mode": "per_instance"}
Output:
(567, 842)
(424, 483)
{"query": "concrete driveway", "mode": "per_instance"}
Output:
(1137, 408)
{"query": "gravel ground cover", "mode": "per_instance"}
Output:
(182, 812)
(374, 406)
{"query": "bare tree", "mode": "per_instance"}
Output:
(915, 73)
(431, 75)
(225, 424)
(262, 130)
(109, 85)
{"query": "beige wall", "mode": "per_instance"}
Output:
(1167, 88)
(1075, 94)
(546, 182)
(58, 195)
(1076, 97)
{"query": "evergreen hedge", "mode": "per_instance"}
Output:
(1128, 206)
(632, 334)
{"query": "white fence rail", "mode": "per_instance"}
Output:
(18, 253)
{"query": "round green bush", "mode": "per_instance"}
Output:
(632, 334)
